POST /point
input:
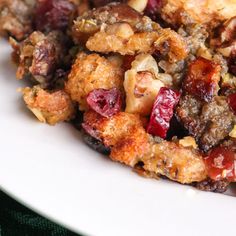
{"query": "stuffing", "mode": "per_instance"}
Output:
(90, 22)
(150, 83)
(107, 40)
(130, 144)
(224, 43)
(177, 12)
(91, 72)
(182, 164)
(142, 85)
(49, 107)
(123, 132)
(39, 56)
(224, 40)
(126, 32)
(16, 17)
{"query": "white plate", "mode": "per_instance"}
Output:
(52, 171)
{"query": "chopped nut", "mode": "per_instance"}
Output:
(204, 52)
(123, 30)
(176, 162)
(188, 141)
(210, 12)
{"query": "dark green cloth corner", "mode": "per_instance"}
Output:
(17, 220)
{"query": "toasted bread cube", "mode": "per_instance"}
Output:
(182, 164)
(139, 42)
(91, 72)
(123, 132)
(49, 107)
(209, 12)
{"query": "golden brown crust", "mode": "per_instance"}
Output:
(39, 57)
(210, 12)
(131, 148)
(123, 132)
(182, 164)
(101, 30)
(91, 72)
(49, 107)
(139, 42)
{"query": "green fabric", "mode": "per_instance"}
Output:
(17, 220)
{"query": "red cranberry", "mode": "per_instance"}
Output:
(53, 14)
(162, 112)
(152, 9)
(221, 164)
(232, 101)
(105, 102)
(202, 79)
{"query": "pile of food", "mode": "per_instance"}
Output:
(151, 83)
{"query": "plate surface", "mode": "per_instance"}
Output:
(52, 171)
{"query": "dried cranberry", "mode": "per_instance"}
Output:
(221, 164)
(105, 102)
(152, 9)
(202, 79)
(232, 101)
(162, 112)
(53, 14)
